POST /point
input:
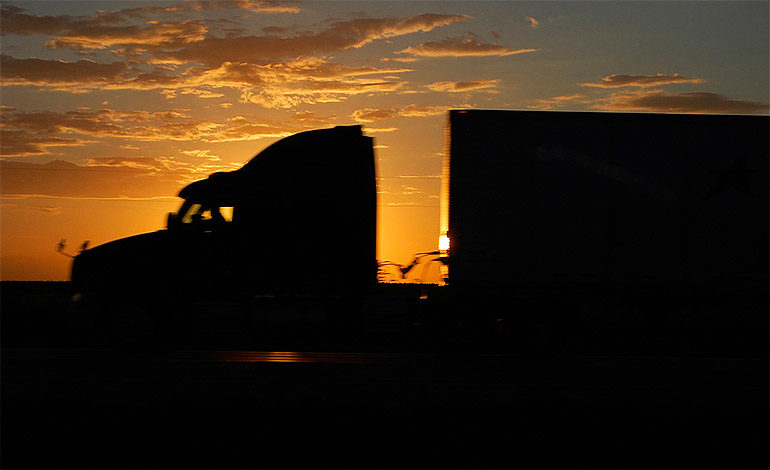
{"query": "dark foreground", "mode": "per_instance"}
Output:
(70, 407)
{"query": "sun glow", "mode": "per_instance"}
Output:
(443, 243)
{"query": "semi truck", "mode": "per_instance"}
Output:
(300, 217)
(547, 218)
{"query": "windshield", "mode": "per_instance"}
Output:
(207, 217)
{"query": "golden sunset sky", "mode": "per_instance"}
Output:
(110, 108)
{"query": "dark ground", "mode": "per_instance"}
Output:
(194, 403)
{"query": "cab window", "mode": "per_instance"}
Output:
(227, 213)
(196, 213)
(193, 211)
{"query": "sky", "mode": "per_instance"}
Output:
(109, 108)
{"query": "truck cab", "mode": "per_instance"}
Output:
(299, 218)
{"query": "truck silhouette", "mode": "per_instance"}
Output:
(546, 217)
(306, 202)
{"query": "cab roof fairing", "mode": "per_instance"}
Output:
(226, 188)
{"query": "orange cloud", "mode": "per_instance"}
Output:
(298, 92)
(697, 102)
(271, 70)
(465, 86)
(372, 114)
(274, 85)
(108, 24)
(412, 110)
(26, 134)
(191, 42)
(533, 22)
(57, 73)
(151, 34)
(213, 51)
(555, 102)
(618, 80)
(311, 119)
(460, 47)
(20, 143)
(136, 125)
(200, 93)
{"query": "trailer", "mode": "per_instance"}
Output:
(607, 199)
(553, 217)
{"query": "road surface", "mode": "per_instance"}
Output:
(66, 407)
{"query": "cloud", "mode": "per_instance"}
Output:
(697, 102)
(183, 57)
(294, 93)
(83, 75)
(373, 114)
(106, 24)
(555, 102)
(275, 85)
(399, 59)
(20, 143)
(102, 30)
(460, 47)
(14, 21)
(533, 23)
(465, 86)
(134, 125)
(412, 110)
(213, 51)
(170, 34)
(31, 133)
(619, 80)
(200, 93)
(57, 73)
(311, 119)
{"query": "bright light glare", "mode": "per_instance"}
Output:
(443, 243)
